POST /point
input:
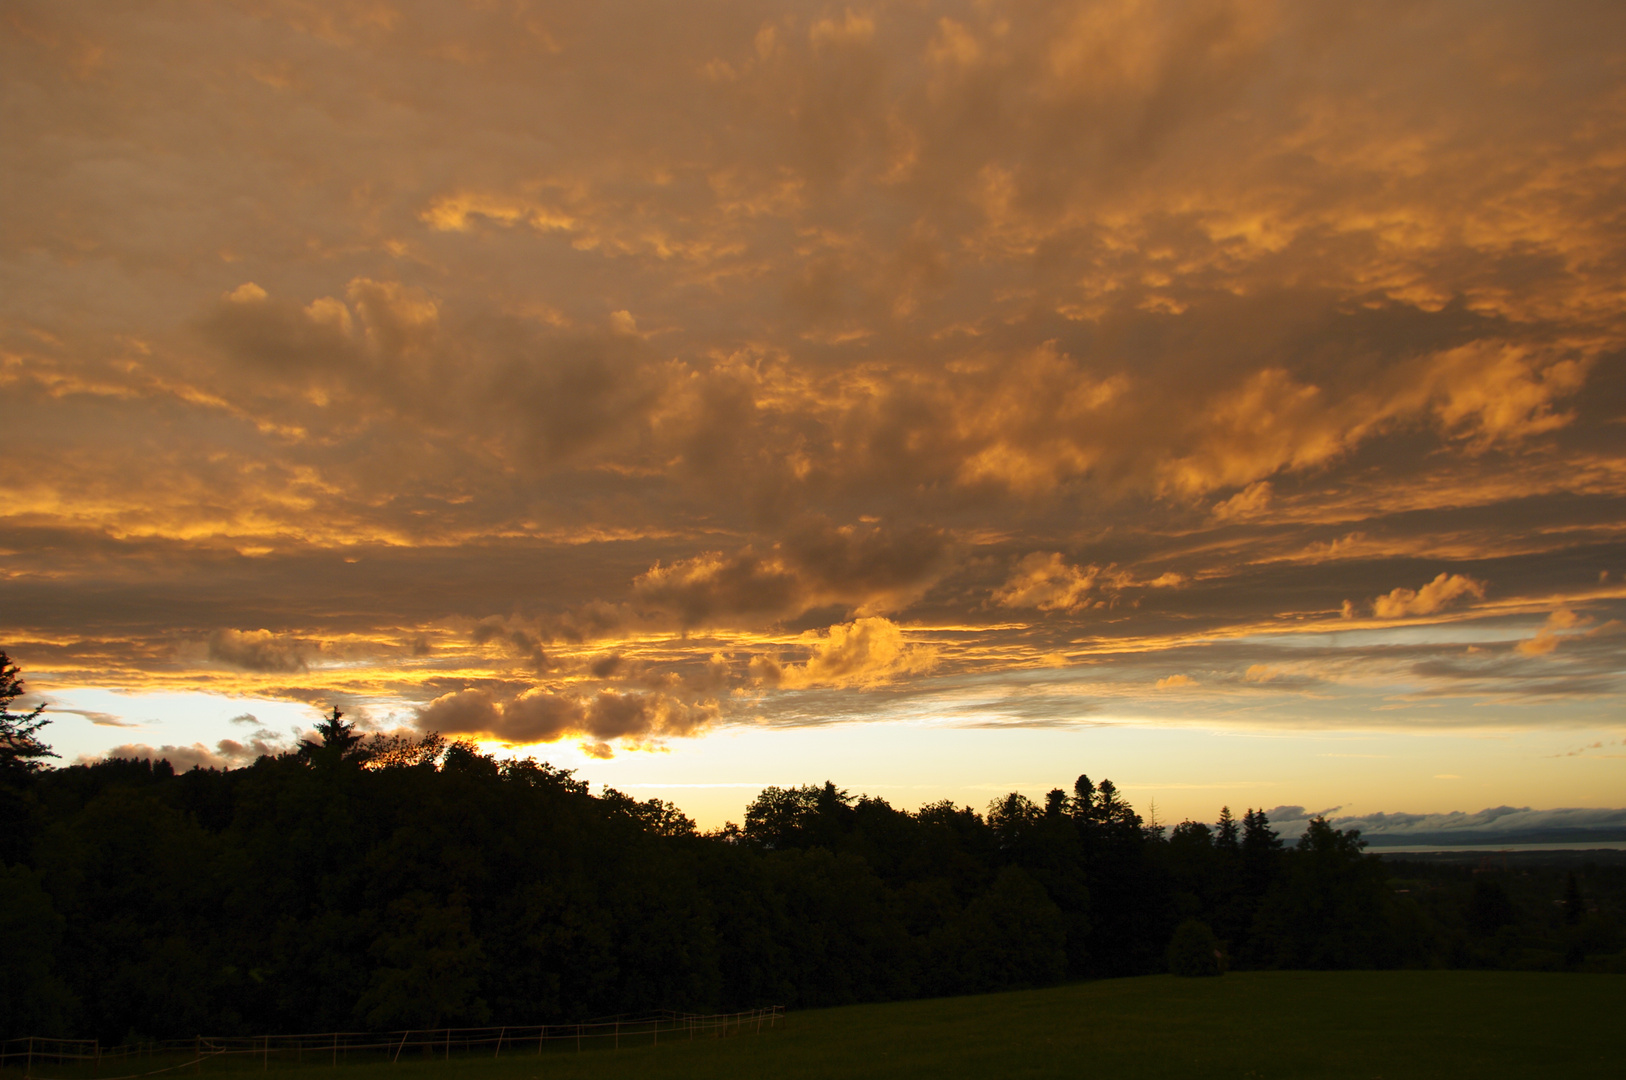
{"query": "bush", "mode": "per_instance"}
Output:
(1194, 950)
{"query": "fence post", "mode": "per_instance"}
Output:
(617, 1035)
(500, 1032)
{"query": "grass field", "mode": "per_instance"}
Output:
(1243, 1025)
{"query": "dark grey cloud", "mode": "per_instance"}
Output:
(538, 715)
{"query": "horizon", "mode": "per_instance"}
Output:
(1225, 399)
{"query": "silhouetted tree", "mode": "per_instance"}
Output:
(34, 998)
(807, 816)
(433, 884)
(341, 743)
(1329, 908)
(1226, 836)
(1261, 852)
(1574, 905)
(21, 751)
(1012, 935)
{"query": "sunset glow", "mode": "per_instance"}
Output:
(941, 398)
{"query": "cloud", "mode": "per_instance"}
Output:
(866, 652)
(541, 716)
(1249, 502)
(227, 754)
(1548, 637)
(100, 719)
(1500, 825)
(1284, 818)
(862, 568)
(258, 650)
(517, 641)
(1176, 682)
(441, 355)
(1437, 595)
(1494, 392)
(1047, 582)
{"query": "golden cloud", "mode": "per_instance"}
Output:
(866, 652)
(512, 335)
(1048, 582)
(1549, 637)
(1438, 594)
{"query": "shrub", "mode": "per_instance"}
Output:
(1194, 950)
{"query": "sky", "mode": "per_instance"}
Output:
(940, 398)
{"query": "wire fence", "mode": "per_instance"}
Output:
(87, 1057)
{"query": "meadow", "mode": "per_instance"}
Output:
(1243, 1025)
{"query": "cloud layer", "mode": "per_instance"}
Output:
(561, 383)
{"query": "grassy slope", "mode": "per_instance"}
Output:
(1355, 1024)
(1264, 1025)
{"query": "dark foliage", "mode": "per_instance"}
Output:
(21, 751)
(1194, 950)
(379, 884)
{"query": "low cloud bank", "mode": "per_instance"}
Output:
(227, 754)
(1500, 825)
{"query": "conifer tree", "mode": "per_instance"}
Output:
(1226, 835)
(21, 751)
(340, 742)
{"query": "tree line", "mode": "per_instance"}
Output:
(386, 883)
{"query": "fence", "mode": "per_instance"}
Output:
(332, 1048)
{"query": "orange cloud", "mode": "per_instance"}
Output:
(867, 652)
(1437, 595)
(1549, 637)
(441, 365)
(1048, 582)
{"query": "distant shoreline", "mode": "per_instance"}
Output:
(1491, 848)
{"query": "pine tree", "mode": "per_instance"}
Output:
(1259, 840)
(340, 742)
(21, 751)
(1226, 835)
(1083, 798)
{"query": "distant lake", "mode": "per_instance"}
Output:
(1492, 848)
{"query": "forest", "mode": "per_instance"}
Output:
(386, 882)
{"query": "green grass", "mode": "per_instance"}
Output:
(1243, 1025)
